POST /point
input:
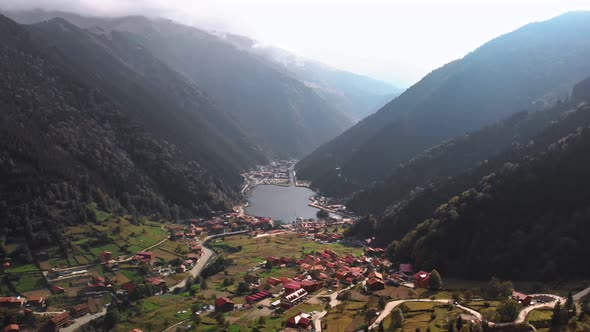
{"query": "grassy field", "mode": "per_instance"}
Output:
(22, 269)
(114, 234)
(246, 252)
(421, 316)
(540, 318)
(156, 313)
(28, 282)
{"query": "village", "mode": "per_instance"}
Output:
(232, 269)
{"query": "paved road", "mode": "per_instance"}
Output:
(581, 294)
(196, 270)
(391, 305)
(207, 255)
(79, 322)
(521, 316)
(317, 318)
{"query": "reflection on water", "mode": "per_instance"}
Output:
(281, 203)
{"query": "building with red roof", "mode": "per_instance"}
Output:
(292, 299)
(224, 304)
(301, 321)
(523, 299)
(273, 281)
(375, 284)
(421, 279)
(60, 320)
(145, 257)
(105, 256)
(311, 286)
(12, 302)
(291, 287)
(12, 328)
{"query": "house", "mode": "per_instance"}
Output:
(304, 267)
(223, 304)
(301, 321)
(193, 256)
(258, 296)
(273, 281)
(292, 299)
(523, 299)
(375, 284)
(158, 282)
(12, 302)
(60, 320)
(340, 275)
(311, 286)
(292, 287)
(374, 274)
(80, 310)
(145, 257)
(36, 302)
(57, 289)
(12, 328)
(181, 268)
(105, 256)
(421, 279)
(273, 260)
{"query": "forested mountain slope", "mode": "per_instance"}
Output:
(289, 118)
(67, 141)
(526, 220)
(451, 158)
(530, 134)
(529, 68)
(528, 204)
(152, 94)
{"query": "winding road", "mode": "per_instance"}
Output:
(520, 319)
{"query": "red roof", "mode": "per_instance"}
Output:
(220, 302)
(421, 275)
(11, 327)
(258, 296)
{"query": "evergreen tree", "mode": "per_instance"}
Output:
(435, 281)
(556, 317)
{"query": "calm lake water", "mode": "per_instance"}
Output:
(281, 203)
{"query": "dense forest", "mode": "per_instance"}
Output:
(528, 69)
(451, 158)
(528, 204)
(65, 144)
(417, 205)
(526, 220)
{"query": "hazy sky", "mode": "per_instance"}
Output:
(398, 41)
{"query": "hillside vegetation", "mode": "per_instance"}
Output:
(528, 69)
(67, 141)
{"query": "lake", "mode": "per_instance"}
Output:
(281, 203)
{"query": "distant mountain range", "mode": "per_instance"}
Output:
(144, 117)
(288, 112)
(528, 69)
